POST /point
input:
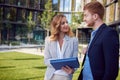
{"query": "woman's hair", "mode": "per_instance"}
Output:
(55, 27)
(95, 7)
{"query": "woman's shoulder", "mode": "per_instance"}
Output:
(47, 39)
(74, 38)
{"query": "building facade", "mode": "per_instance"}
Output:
(14, 20)
(14, 15)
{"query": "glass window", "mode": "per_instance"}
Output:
(65, 5)
(61, 5)
(77, 5)
(23, 2)
(55, 5)
(12, 2)
(31, 3)
(112, 13)
(19, 15)
(12, 14)
(41, 2)
(68, 16)
(6, 13)
(1, 1)
(37, 4)
(1, 13)
(7, 1)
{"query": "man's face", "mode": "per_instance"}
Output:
(89, 18)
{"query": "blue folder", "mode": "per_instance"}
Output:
(59, 63)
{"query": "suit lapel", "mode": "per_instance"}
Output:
(96, 36)
(66, 40)
(54, 48)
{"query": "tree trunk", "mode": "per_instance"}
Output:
(0, 37)
(28, 37)
(8, 36)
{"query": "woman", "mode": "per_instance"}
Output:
(61, 44)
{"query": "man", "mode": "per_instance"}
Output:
(101, 61)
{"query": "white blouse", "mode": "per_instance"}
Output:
(60, 56)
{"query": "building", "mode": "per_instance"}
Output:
(13, 20)
(14, 16)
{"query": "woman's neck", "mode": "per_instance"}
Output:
(60, 39)
(61, 36)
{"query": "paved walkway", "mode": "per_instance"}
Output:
(35, 51)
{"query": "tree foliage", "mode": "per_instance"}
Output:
(76, 20)
(47, 15)
(30, 23)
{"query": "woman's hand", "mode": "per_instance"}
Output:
(68, 70)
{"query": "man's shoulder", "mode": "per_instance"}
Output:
(107, 28)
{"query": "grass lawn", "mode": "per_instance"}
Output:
(21, 66)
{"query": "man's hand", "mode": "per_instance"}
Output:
(84, 50)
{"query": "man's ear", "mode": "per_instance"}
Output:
(95, 16)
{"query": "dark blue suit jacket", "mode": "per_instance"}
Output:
(103, 54)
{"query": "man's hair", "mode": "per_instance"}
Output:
(95, 7)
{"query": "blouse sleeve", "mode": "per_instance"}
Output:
(47, 55)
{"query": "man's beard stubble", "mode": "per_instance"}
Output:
(91, 24)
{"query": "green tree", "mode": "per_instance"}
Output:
(47, 15)
(76, 20)
(30, 25)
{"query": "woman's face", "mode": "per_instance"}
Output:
(64, 27)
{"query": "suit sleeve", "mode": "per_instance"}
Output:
(47, 55)
(75, 50)
(111, 55)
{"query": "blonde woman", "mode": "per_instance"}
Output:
(61, 44)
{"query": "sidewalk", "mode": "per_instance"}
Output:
(35, 51)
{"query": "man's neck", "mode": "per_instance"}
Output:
(97, 24)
